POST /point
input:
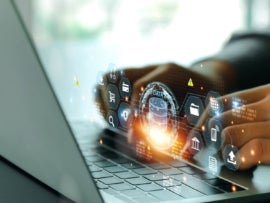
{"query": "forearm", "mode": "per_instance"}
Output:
(242, 63)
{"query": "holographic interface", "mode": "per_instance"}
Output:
(158, 110)
(187, 126)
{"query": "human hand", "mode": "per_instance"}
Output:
(247, 125)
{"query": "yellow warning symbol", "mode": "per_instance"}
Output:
(190, 83)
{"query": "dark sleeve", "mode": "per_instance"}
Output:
(249, 54)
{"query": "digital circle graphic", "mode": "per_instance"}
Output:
(158, 115)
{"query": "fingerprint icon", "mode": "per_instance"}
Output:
(158, 112)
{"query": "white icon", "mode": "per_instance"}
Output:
(125, 87)
(212, 164)
(194, 109)
(195, 143)
(111, 120)
(113, 73)
(231, 158)
(125, 114)
(158, 113)
(214, 132)
(214, 104)
(112, 97)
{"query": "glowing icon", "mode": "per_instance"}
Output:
(214, 104)
(112, 97)
(113, 73)
(214, 132)
(125, 87)
(194, 109)
(195, 143)
(212, 164)
(111, 121)
(158, 112)
(231, 158)
(125, 114)
(190, 83)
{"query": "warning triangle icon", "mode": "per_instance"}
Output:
(190, 83)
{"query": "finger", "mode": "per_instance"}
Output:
(254, 112)
(249, 96)
(165, 73)
(255, 152)
(101, 100)
(133, 74)
(239, 135)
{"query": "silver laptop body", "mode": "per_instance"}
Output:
(36, 137)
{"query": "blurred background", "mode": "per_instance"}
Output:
(76, 39)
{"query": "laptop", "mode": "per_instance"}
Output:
(89, 162)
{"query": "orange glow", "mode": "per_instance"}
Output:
(252, 152)
(242, 130)
(232, 122)
(201, 87)
(159, 137)
(225, 100)
(259, 162)
(243, 159)
(203, 128)
(126, 99)
(100, 141)
(233, 188)
(142, 88)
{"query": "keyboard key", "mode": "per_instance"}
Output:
(171, 171)
(138, 181)
(168, 183)
(104, 163)
(122, 186)
(101, 174)
(157, 176)
(159, 166)
(150, 187)
(177, 164)
(165, 195)
(126, 175)
(133, 193)
(120, 160)
(115, 169)
(110, 180)
(94, 168)
(205, 176)
(101, 185)
(144, 171)
(178, 177)
(185, 191)
(191, 170)
(132, 165)
(94, 158)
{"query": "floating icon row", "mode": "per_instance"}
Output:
(194, 106)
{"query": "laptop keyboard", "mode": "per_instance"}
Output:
(133, 181)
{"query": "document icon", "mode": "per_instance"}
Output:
(194, 109)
